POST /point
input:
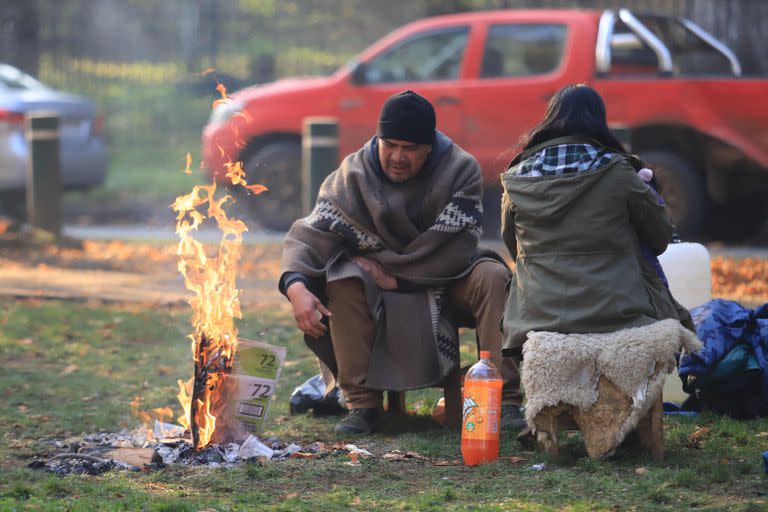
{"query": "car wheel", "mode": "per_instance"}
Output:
(682, 189)
(278, 167)
(14, 204)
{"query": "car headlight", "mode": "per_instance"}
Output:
(225, 110)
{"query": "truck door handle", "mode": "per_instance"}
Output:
(447, 100)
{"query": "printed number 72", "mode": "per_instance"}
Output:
(261, 391)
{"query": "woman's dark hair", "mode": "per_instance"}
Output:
(575, 110)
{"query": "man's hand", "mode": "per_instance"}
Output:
(306, 307)
(380, 277)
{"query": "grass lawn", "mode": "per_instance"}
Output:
(73, 367)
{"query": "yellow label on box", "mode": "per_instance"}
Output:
(257, 370)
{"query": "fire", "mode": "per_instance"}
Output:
(188, 169)
(224, 98)
(161, 414)
(215, 303)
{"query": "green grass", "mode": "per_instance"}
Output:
(149, 131)
(121, 352)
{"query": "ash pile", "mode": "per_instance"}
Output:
(93, 454)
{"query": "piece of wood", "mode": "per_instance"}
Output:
(650, 430)
(134, 456)
(396, 402)
(547, 424)
(452, 394)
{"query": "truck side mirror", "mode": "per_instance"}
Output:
(359, 73)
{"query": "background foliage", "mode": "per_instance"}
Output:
(141, 60)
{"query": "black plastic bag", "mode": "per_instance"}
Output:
(309, 395)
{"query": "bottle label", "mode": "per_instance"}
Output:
(481, 410)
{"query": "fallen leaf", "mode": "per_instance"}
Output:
(641, 471)
(163, 370)
(25, 341)
(762, 434)
(357, 501)
(725, 461)
(446, 463)
(516, 460)
(302, 455)
(353, 456)
(22, 408)
(397, 455)
(696, 438)
(69, 369)
(291, 495)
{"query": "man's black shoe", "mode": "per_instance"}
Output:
(359, 421)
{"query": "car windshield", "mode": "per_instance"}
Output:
(15, 79)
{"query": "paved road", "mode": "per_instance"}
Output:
(112, 232)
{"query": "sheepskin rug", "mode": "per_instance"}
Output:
(566, 374)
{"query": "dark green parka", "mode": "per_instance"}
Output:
(576, 242)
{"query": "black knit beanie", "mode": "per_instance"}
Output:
(407, 116)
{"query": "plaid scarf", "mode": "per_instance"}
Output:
(564, 159)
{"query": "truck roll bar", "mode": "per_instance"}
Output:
(606, 37)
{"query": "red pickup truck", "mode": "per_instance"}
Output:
(674, 95)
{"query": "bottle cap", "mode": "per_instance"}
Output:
(485, 354)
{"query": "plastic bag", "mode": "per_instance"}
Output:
(309, 395)
(730, 374)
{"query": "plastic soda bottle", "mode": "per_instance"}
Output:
(481, 412)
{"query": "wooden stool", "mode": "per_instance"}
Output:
(451, 392)
(600, 424)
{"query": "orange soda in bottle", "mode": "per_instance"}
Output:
(481, 412)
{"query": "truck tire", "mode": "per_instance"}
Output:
(683, 190)
(13, 203)
(277, 166)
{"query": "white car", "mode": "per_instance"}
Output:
(83, 150)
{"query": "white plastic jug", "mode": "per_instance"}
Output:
(688, 271)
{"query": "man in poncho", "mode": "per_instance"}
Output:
(387, 265)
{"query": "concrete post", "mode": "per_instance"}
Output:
(43, 172)
(320, 157)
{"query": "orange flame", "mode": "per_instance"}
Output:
(224, 98)
(188, 170)
(161, 414)
(215, 303)
(256, 189)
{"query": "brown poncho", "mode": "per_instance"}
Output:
(424, 231)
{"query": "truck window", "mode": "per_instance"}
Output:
(522, 49)
(690, 55)
(630, 55)
(425, 57)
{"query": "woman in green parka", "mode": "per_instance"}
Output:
(577, 219)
